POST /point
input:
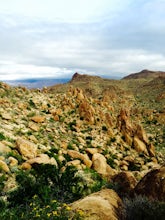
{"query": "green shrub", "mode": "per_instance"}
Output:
(47, 182)
(2, 137)
(104, 128)
(32, 104)
(44, 191)
(141, 207)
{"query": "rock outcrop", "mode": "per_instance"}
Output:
(103, 205)
(125, 182)
(152, 184)
(134, 134)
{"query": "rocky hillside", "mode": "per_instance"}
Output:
(145, 74)
(90, 123)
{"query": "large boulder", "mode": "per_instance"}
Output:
(125, 182)
(100, 165)
(77, 155)
(152, 184)
(103, 205)
(42, 159)
(26, 148)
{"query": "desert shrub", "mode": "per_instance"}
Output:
(2, 182)
(32, 104)
(71, 125)
(89, 181)
(141, 207)
(16, 155)
(104, 128)
(44, 191)
(2, 137)
(48, 183)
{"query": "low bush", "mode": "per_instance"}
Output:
(141, 208)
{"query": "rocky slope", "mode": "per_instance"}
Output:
(145, 74)
(87, 123)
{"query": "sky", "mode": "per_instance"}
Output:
(56, 38)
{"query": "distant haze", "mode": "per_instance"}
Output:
(43, 82)
(56, 38)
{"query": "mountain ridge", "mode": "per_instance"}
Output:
(145, 74)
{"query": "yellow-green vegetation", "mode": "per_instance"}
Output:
(45, 192)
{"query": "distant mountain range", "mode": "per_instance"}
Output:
(47, 82)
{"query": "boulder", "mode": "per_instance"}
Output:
(151, 150)
(6, 116)
(139, 145)
(26, 166)
(13, 162)
(4, 149)
(92, 150)
(34, 126)
(103, 205)
(123, 122)
(141, 134)
(86, 111)
(128, 138)
(38, 118)
(100, 165)
(4, 166)
(26, 148)
(152, 184)
(42, 159)
(77, 155)
(125, 181)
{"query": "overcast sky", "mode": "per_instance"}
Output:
(56, 38)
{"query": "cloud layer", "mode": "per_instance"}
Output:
(129, 39)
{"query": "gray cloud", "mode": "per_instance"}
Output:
(131, 40)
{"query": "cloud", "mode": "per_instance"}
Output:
(126, 41)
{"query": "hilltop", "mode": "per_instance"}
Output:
(67, 141)
(145, 74)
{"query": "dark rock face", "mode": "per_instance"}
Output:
(125, 181)
(152, 184)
